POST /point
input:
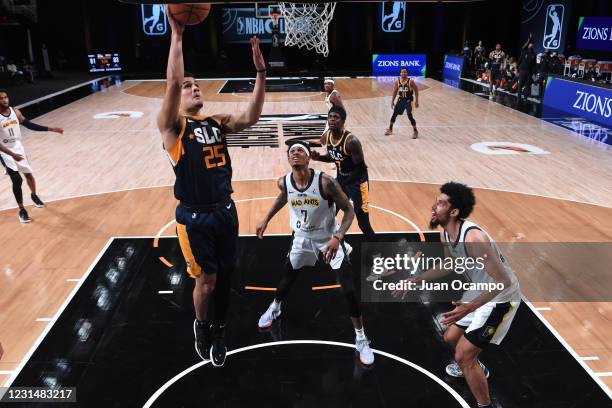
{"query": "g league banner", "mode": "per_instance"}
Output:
(390, 64)
(594, 33)
(563, 98)
(154, 21)
(392, 16)
(240, 24)
(547, 20)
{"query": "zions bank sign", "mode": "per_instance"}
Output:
(390, 64)
(563, 98)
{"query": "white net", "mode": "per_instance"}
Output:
(306, 24)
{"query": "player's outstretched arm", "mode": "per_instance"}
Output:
(332, 189)
(524, 47)
(35, 127)
(315, 155)
(168, 116)
(242, 120)
(279, 203)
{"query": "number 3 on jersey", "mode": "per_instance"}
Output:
(214, 152)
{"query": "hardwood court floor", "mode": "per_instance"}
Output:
(526, 198)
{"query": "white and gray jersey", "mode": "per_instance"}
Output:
(310, 214)
(479, 275)
(328, 102)
(11, 132)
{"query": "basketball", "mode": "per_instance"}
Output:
(189, 14)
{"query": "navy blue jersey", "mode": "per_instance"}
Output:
(404, 90)
(337, 151)
(201, 162)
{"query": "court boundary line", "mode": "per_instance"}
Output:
(571, 132)
(404, 361)
(53, 95)
(57, 314)
(568, 347)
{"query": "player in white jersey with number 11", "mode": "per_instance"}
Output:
(12, 152)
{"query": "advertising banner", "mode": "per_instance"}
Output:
(594, 33)
(390, 64)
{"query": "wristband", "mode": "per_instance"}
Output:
(339, 240)
(261, 70)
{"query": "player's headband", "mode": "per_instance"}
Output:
(329, 81)
(302, 146)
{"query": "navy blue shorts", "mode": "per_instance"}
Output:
(209, 240)
(403, 104)
(496, 74)
(358, 192)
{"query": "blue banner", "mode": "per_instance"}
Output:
(565, 99)
(453, 66)
(594, 33)
(240, 24)
(390, 64)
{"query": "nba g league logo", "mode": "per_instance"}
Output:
(553, 26)
(153, 19)
(393, 16)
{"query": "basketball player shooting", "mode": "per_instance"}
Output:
(313, 197)
(207, 222)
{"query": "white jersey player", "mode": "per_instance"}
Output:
(481, 317)
(332, 97)
(312, 197)
(12, 153)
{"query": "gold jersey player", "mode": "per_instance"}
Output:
(313, 197)
(344, 149)
(406, 91)
(207, 222)
(12, 153)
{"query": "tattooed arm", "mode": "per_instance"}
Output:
(333, 191)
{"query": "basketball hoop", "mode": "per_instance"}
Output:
(306, 24)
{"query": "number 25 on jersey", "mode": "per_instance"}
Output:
(214, 153)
